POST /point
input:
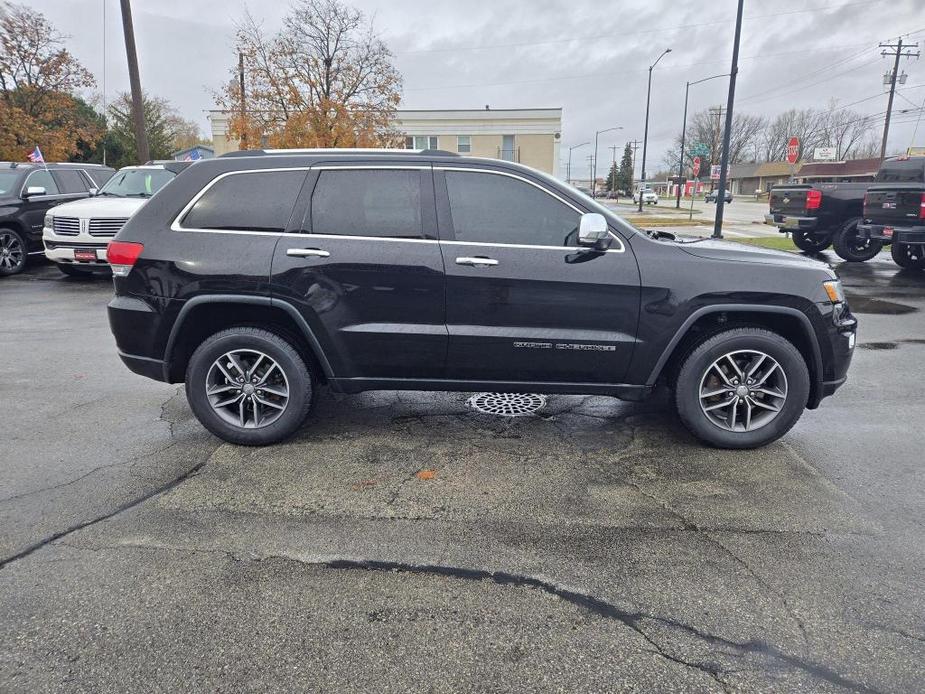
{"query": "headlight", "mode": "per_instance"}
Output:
(834, 290)
(49, 221)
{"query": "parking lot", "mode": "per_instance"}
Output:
(403, 542)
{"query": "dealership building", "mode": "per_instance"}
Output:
(529, 136)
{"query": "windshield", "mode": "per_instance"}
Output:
(8, 181)
(136, 183)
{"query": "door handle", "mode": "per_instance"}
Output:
(476, 261)
(307, 253)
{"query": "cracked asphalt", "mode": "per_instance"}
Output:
(402, 542)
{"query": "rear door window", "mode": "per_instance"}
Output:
(250, 201)
(70, 181)
(368, 202)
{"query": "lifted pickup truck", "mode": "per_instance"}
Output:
(823, 214)
(894, 213)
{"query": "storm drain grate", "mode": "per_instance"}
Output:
(507, 404)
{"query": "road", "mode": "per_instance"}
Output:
(402, 542)
(743, 217)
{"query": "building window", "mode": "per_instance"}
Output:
(463, 144)
(421, 142)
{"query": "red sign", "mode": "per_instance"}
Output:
(793, 150)
(696, 167)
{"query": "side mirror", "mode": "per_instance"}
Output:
(93, 191)
(32, 191)
(592, 231)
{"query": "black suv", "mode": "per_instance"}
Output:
(256, 277)
(27, 192)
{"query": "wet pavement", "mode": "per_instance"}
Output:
(404, 542)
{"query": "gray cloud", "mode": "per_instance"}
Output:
(589, 57)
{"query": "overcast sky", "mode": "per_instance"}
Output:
(587, 56)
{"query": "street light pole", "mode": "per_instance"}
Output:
(687, 89)
(568, 167)
(730, 102)
(594, 173)
(645, 135)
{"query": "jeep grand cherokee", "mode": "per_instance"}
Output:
(254, 278)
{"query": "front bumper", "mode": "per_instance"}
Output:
(63, 249)
(891, 234)
(837, 353)
(790, 223)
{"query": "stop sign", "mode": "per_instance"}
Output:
(696, 167)
(793, 150)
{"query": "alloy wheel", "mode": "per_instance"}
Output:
(12, 254)
(743, 390)
(247, 389)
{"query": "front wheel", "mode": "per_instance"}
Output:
(811, 243)
(12, 252)
(742, 388)
(851, 247)
(908, 255)
(249, 386)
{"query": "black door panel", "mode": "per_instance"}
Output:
(371, 286)
(524, 302)
(541, 314)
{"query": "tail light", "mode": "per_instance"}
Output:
(122, 255)
(813, 199)
(922, 207)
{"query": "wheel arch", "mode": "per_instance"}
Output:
(789, 322)
(202, 316)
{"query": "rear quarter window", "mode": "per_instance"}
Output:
(250, 201)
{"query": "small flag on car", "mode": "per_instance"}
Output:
(35, 156)
(194, 155)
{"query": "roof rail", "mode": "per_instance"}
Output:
(338, 150)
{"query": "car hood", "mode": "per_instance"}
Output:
(740, 252)
(96, 207)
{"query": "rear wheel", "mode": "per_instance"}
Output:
(742, 388)
(908, 255)
(811, 243)
(851, 247)
(12, 252)
(249, 386)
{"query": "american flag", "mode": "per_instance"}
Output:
(194, 155)
(35, 156)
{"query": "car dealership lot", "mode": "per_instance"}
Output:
(403, 542)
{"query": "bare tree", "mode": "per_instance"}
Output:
(706, 128)
(325, 80)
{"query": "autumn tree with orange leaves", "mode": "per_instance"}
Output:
(39, 82)
(325, 80)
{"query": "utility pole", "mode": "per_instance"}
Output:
(243, 108)
(105, 122)
(645, 132)
(138, 113)
(894, 50)
(730, 102)
(594, 174)
(634, 145)
(591, 167)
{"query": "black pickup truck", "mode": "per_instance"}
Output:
(823, 214)
(894, 212)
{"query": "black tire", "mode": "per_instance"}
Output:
(910, 256)
(849, 246)
(698, 367)
(811, 243)
(13, 252)
(298, 377)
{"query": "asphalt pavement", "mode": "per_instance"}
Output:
(403, 542)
